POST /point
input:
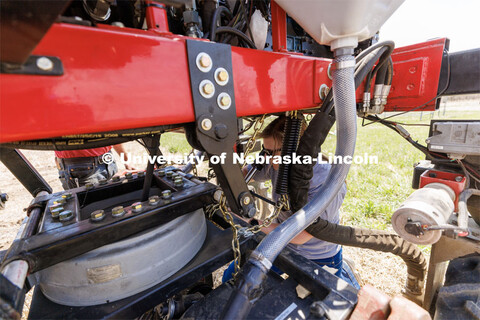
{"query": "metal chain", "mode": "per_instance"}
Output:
(251, 142)
(238, 230)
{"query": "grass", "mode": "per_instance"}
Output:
(375, 191)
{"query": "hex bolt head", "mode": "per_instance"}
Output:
(169, 174)
(66, 215)
(55, 206)
(206, 124)
(67, 195)
(59, 201)
(56, 212)
(161, 172)
(116, 178)
(97, 215)
(221, 76)
(246, 200)
(154, 200)
(205, 60)
(178, 182)
(166, 194)
(458, 178)
(118, 212)
(129, 175)
(45, 64)
(137, 207)
(208, 88)
(224, 101)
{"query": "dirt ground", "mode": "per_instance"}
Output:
(383, 271)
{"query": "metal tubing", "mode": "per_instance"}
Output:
(462, 206)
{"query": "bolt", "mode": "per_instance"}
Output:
(141, 174)
(161, 172)
(205, 60)
(166, 194)
(169, 174)
(224, 101)
(102, 182)
(56, 212)
(206, 124)
(208, 88)
(44, 63)
(458, 178)
(116, 178)
(137, 207)
(153, 200)
(178, 182)
(129, 175)
(246, 200)
(97, 215)
(118, 211)
(222, 76)
(323, 91)
(59, 201)
(67, 196)
(55, 206)
(66, 215)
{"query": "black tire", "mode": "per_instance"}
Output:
(459, 298)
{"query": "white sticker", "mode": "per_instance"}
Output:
(286, 312)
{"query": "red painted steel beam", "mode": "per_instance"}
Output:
(120, 78)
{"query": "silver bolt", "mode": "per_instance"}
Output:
(67, 196)
(166, 194)
(161, 172)
(118, 212)
(59, 201)
(137, 207)
(45, 64)
(458, 178)
(153, 200)
(178, 182)
(116, 178)
(323, 91)
(246, 200)
(97, 215)
(329, 72)
(129, 175)
(206, 124)
(66, 215)
(169, 174)
(56, 212)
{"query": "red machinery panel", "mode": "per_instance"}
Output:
(119, 78)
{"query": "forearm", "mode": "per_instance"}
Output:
(301, 238)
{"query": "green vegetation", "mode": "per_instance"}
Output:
(374, 190)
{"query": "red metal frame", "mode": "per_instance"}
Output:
(120, 78)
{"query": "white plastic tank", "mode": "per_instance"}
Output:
(340, 23)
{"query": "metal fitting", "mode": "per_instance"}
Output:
(323, 91)
(141, 174)
(45, 64)
(56, 212)
(153, 200)
(206, 124)
(118, 212)
(59, 201)
(204, 62)
(129, 175)
(166, 194)
(221, 76)
(97, 215)
(116, 178)
(66, 215)
(161, 172)
(343, 64)
(366, 101)
(169, 174)
(246, 200)
(178, 182)
(206, 88)
(67, 195)
(137, 207)
(224, 101)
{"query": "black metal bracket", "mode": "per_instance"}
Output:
(11, 299)
(35, 65)
(211, 80)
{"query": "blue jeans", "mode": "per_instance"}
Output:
(79, 174)
(336, 262)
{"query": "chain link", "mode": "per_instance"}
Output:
(251, 142)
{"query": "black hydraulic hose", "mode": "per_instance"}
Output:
(377, 240)
(292, 130)
(216, 18)
(238, 33)
(389, 74)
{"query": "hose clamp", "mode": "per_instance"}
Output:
(343, 64)
(260, 261)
